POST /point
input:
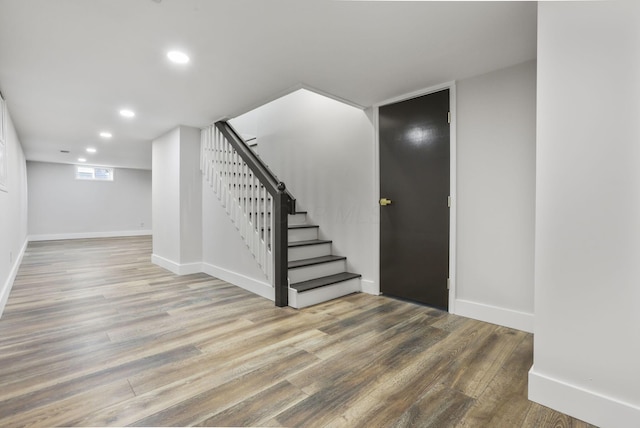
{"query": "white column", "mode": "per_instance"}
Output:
(177, 201)
(587, 269)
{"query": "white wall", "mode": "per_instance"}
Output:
(13, 214)
(247, 125)
(496, 142)
(177, 200)
(190, 196)
(62, 207)
(224, 253)
(587, 270)
(165, 161)
(323, 150)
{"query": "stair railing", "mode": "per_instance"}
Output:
(257, 202)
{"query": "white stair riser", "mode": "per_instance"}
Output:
(309, 251)
(295, 219)
(322, 294)
(316, 271)
(303, 234)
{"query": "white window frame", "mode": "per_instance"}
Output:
(93, 174)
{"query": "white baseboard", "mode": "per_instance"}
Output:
(495, 315)
(8, 284)
(190, 268)
(255, 286)
(370, 287)
(88, 235)
(589, 406)
(177, 268)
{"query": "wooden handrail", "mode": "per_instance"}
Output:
(283, 204)
(259, 169)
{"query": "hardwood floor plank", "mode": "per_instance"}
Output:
(93, 334)
(26, 356)
(258, 409)
(334, 390)
(477, 371)
(205, 375)
(75, 406)
(540, 416)
(196, 409)
(226, 367)
(438, 407)
(333, 344)
(504, 400)
(386, 400)
(84, 363)
(51, 394)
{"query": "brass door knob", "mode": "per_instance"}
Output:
(384, 202)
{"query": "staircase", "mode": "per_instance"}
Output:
(315, 275)
(255, 201)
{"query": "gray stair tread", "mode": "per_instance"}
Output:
(325, 280)
(314, 261)
(311, 242)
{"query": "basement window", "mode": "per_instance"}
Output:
(95, 173)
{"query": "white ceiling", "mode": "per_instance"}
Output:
(68, 66)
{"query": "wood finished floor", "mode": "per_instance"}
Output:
(93, 334)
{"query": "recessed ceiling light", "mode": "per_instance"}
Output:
(178, 57)
(91, 150)
(127, 113)
(82, 160)
(106, 134)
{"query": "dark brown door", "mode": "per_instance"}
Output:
(414, 176)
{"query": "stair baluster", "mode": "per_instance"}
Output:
(248, 191)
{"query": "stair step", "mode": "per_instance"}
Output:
(302, 232)
(300, 250)
(311, 267)
(310, 242)
(314, 261)
(299, 217)
(325, 280)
